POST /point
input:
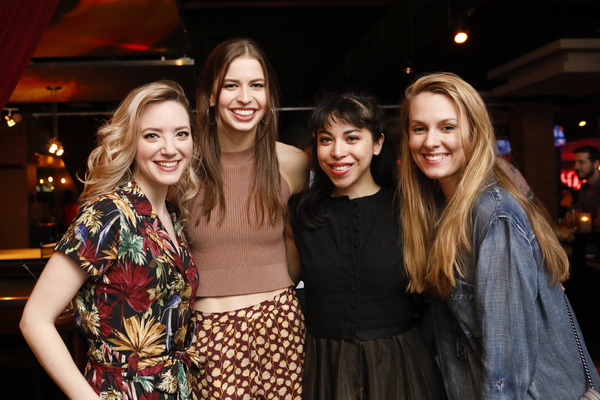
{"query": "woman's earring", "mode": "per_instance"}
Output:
(212, 115)
(264, 120)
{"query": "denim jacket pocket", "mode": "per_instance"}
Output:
(462, 304)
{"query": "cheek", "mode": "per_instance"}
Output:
(321, 153)
(414, 145)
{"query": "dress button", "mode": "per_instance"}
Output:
(353, 305)
(351, 273)
(356, 243)
(357, 215)
(352, 289)
(354, 320)
(356, 229)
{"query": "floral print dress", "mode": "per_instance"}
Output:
(135, 307)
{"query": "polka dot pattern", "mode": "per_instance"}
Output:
(252, 353)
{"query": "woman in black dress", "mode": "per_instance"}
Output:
(362, 342)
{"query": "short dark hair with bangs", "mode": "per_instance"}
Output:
(362, 111)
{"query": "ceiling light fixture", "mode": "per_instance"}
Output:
(12, 119)
(461, 36)
(582, 123)
(55, 146)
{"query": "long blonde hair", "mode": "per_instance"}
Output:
(112, 162)
(434, 245)
(266, 198)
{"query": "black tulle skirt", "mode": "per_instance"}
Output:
(396, 368)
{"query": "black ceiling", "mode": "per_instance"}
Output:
(318, 46)
(98, 51)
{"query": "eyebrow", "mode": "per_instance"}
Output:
(152, 128)
(347, 132)
(237, 80)
(446, 120)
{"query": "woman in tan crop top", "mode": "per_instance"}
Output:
(247, 328)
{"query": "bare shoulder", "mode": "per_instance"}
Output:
(293, 165)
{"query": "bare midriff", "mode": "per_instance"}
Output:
(230, 303)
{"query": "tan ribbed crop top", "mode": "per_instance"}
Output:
(237, 257)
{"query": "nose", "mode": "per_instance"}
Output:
(169, 148)
(339, 149)
(244, 95)
(432, 140)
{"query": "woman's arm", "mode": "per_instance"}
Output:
(291, 252)
(505, 305)
(58, 284)
(293, 166)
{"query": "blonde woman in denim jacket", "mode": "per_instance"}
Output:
(485, 252)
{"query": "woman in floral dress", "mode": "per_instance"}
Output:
(125, 258)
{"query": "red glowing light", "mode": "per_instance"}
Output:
(134, 46)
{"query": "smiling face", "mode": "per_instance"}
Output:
(435, 138)
(345, 153)
(242, 100)
(164, 148)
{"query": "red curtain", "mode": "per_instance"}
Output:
(22, 23)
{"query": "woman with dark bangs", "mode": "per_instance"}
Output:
(362, 342)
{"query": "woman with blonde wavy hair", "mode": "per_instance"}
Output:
(486, 252)
(125, 258)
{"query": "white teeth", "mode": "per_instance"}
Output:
(244, 113)
(167, 164)
(340, 167)
(435, 158)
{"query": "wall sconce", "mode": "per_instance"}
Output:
(55, 146)
(12, 119)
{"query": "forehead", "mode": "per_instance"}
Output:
(433, 105)
(160, 112)
(582, 156)
(245, 67)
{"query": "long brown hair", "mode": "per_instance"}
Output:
(266, 198)
(112, 162)
(433, 244)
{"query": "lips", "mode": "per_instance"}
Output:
(167, 164)
(340, 169)
(434, 158)
(243, 114)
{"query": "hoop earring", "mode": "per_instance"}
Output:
(263, 120)
(210, 112)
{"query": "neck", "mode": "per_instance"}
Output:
(367, 190)
(232, 141)
(595, 177)
(156, 196)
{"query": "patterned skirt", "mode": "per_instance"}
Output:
(252, 353)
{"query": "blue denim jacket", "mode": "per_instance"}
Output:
(504, 332)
